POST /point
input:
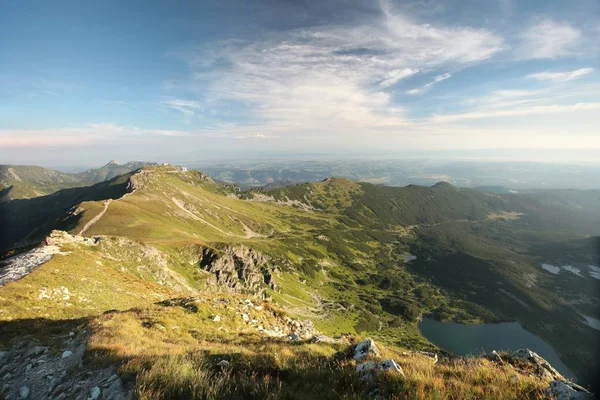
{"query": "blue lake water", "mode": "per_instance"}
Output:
(476, 339)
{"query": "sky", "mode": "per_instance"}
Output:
(85, 82)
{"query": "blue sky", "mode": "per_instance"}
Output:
(84, 82)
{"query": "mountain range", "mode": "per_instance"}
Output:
(162, 274)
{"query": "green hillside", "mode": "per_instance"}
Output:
(24, 182)
(341, 254)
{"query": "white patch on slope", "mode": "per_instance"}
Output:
(14, 174)
(551, 268)
(595, 271)
(572, 269)
(20, 265)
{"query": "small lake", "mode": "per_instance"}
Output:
(476, 339)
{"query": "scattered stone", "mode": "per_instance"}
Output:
(28, 367)
(7, 376)
(390, 365)
(566, 390)
(366, 367)
(245, 317)
(67, 354)
(71, 334)
(366, 348)
(223, 364)
(293, 337)
(95, 393)
(217, 318)
(24, 392)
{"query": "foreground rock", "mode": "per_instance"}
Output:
(32, 371)
(366, 371)
(566, 390)
(559, 388)
(366, 348)
(543, 367)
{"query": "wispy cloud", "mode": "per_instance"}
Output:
(561, 76)
(257, 136)
(188, 107)
(548, 39)
(428, 86)
(81, 136)
(522, 111)
(332, 78)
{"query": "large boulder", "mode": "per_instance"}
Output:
(566, 390)
(366, 348)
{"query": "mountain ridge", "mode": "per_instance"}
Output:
(342, 251)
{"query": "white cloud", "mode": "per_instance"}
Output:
(188, 107)
(428, 86)
(396, 75)
(548, 39)
(514, 112)
(331, 78)
(561, 76)
(257, 136)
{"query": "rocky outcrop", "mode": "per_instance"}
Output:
(543, 367)
(240, 269)
(57, 238)
(559, 388)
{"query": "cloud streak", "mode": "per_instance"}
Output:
(429, 85)
(561, 76)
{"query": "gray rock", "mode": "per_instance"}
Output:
(390, 365)
(67, 354)
(3, 355)
(36, 351)
(24, 392)
(223, 364)
(566, 390)
(366, 348)
(95, 393)
(293, 337)
(71, 334)
(365, 367)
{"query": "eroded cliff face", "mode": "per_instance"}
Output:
(240, 269)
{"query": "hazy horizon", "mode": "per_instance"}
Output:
(85, 83)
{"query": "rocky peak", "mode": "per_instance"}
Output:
(240, 269)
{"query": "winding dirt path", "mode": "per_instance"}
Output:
(95, 219)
